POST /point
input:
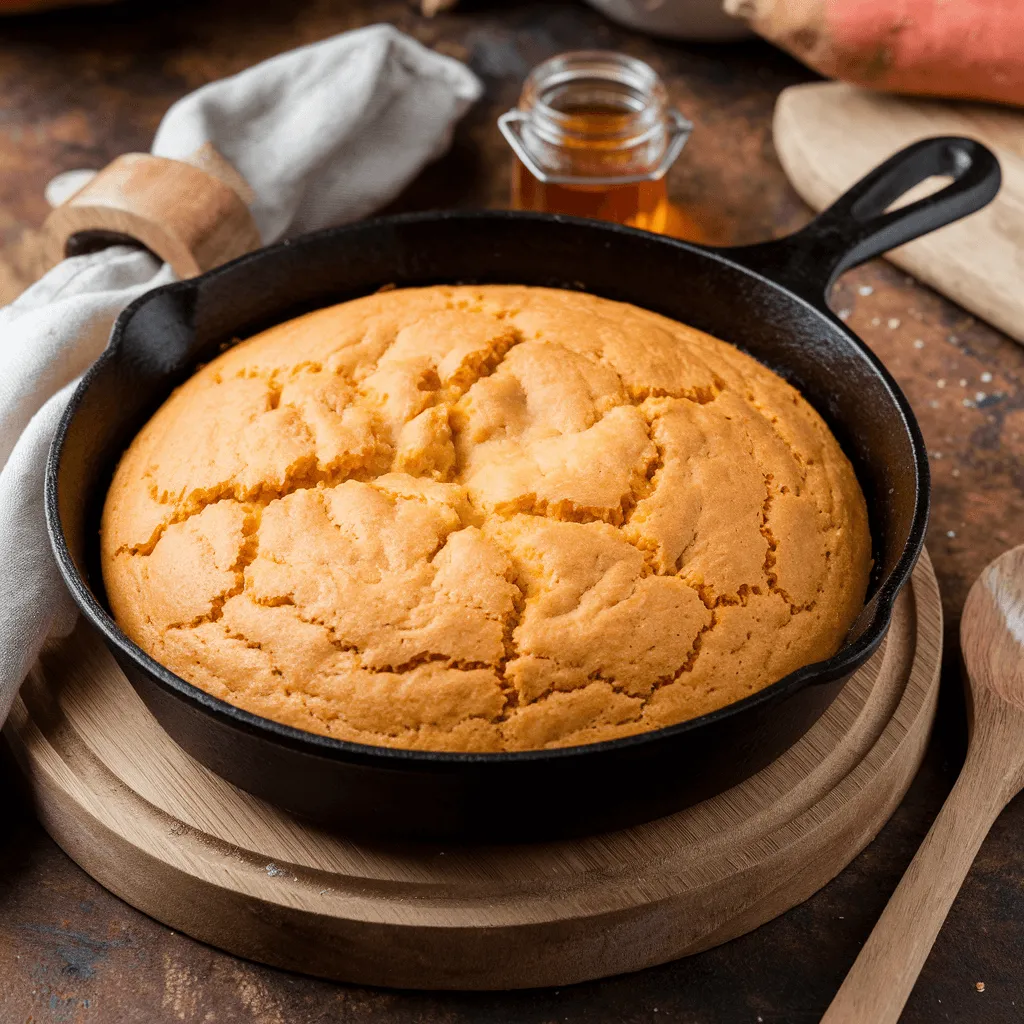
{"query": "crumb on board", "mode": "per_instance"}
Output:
(980, 986)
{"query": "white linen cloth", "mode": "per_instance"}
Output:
(324, 134)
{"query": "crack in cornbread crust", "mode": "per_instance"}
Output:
(491, 518)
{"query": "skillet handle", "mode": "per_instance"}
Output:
(856, 227)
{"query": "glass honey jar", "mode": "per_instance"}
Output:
(593, 136)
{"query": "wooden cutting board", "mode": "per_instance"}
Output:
(179, 843)
(830, 134)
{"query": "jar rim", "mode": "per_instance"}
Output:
(574, 67)
(553, 143)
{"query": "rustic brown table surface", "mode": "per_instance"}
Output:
(78, 88)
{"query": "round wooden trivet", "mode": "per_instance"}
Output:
(175, 841)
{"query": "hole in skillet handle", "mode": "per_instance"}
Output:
(860, 225)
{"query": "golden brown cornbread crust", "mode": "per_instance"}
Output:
(484, 518)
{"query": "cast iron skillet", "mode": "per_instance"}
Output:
(769, 299)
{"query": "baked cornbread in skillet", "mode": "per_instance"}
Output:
(482, 519)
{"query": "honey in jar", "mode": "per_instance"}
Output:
(593, 136)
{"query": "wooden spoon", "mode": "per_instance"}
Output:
(992, 637)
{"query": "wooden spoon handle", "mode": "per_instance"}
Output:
(883, 975)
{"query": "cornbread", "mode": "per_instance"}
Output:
(482, 519)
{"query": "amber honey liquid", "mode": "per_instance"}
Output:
(642, 204)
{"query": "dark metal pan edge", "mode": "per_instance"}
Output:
(846, 660)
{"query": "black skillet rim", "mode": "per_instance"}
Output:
(846, 660)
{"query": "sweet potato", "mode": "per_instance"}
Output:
(968, 49)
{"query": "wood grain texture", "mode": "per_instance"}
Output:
(179, 843)
(829, 134)
(191, 213)
(992, 635)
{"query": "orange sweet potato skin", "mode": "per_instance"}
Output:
(968, 49)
